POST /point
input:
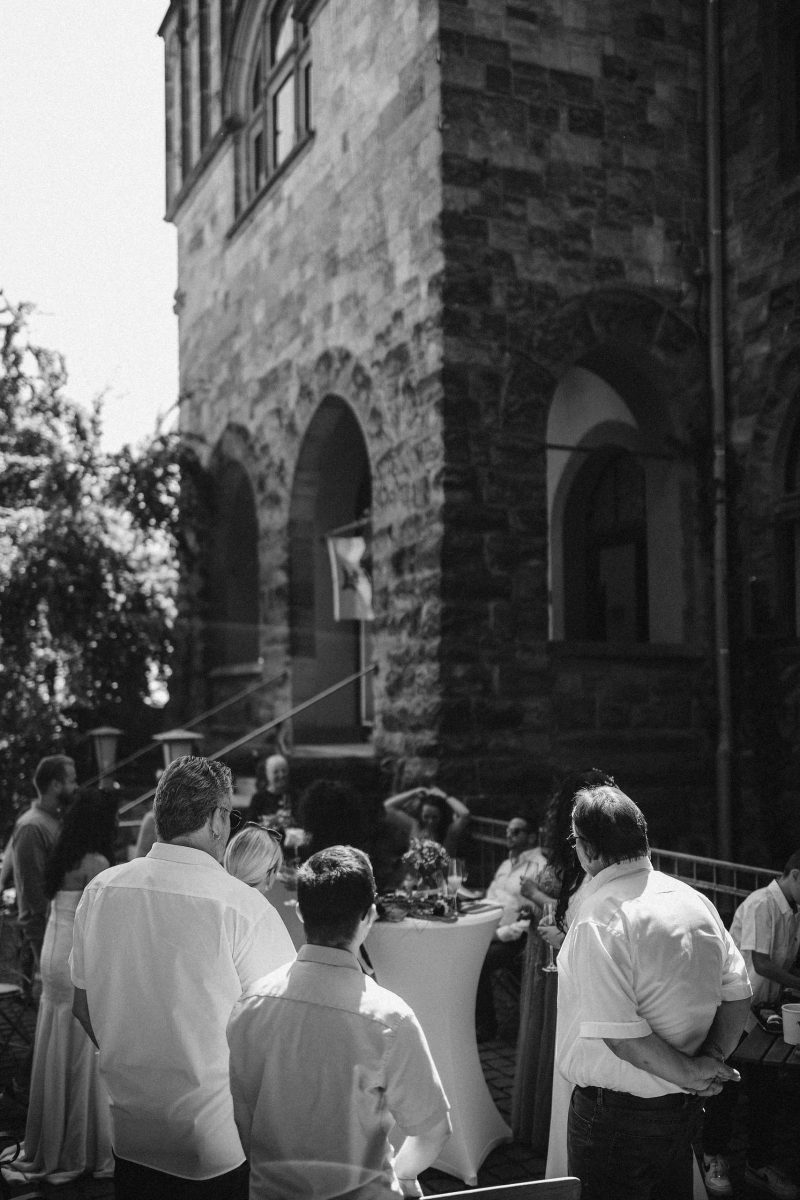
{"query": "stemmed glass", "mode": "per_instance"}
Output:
(456, 874)
(548, 917)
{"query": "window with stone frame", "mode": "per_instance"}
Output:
(278, 116)
(788, 85)
(788, 530)
(605, 531)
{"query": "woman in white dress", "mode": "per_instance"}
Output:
(68, 1130)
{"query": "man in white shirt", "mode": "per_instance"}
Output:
(324, 1061)
(766, 928)
(163, 948)
(652, 997)
(508, 942)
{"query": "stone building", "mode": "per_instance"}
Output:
(443, 268)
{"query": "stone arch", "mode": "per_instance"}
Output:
(331, 489)
(233, 625)
(616, 368)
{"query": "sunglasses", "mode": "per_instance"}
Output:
(277, 835)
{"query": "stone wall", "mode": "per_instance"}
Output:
(572, 168)
(330, 286)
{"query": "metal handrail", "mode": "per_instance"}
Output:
(726, 883)
(254, 733)
(210, 712)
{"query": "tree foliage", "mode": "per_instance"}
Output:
(89, 546)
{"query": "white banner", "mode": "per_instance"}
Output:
(352, 586)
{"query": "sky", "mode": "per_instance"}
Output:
(82, 234)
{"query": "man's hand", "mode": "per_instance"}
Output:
(710, 1075)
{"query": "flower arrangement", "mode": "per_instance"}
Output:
(427, 860)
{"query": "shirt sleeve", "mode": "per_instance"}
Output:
(77, 968)
(30, 855)
(414, 1093)
(735, 981)
(601, 964)
(757, 929)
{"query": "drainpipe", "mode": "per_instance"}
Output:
(716, 353)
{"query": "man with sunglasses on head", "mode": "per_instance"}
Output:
(652, 996)
(324, 1061)
(163, 948)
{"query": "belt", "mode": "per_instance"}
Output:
(612, 1099)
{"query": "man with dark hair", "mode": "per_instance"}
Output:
(163, 947)
(652, 997)
(34, 836)
(766, 928)
(323, 1061)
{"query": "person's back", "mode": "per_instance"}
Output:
(323, 1062)
(164, 946)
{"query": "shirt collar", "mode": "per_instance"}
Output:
(782, 902)
(169, 852)
(616, 871)
(329, 956)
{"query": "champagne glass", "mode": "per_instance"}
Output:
(456, 871)
(548, 917)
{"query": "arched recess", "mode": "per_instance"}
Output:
(332, 489)
(626, 373)
(233, 625)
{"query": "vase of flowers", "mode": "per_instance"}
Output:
(426, 865)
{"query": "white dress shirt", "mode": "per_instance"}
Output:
(323, 1063)
(766, 922)
(164, 947)
(505, 886)
(644, 954)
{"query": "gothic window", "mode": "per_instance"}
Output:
(605, 550)
(278, 114)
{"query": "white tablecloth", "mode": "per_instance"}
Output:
(434, 967)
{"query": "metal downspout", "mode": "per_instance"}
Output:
(716, 352)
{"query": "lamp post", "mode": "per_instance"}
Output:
(105, 739)
(177, 742)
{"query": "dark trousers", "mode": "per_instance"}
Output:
(499, 954)
(135, 1182)
(759, 1084)
(627, 1146)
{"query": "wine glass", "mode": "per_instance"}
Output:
(456, 871)
(548, 917)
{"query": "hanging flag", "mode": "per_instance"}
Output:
(352, 585)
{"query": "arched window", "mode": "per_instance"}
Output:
(278, 94)
(605, 551)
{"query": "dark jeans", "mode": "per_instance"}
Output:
(135, 1182)
(625, 1147)
(500, 954)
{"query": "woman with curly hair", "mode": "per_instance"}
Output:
(559, 881)
(68, 1131)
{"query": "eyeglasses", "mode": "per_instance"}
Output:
(572, 839)
(234, 816)
(277, 835)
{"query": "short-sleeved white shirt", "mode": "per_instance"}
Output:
(645, 953)
(164, 946)
(505, 886)
(767, 923)
(323, 1063)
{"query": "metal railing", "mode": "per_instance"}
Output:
(725, 883)
(262, 729)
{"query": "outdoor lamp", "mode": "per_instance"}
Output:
(105, 739)
(177, 742)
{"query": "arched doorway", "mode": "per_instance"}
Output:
(332, 490)
(233, 611)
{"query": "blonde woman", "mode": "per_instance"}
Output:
(254, 855)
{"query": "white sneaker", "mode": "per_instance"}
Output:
(773, 1181)
(715, 1174)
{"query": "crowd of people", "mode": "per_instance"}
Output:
(184, 1047)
